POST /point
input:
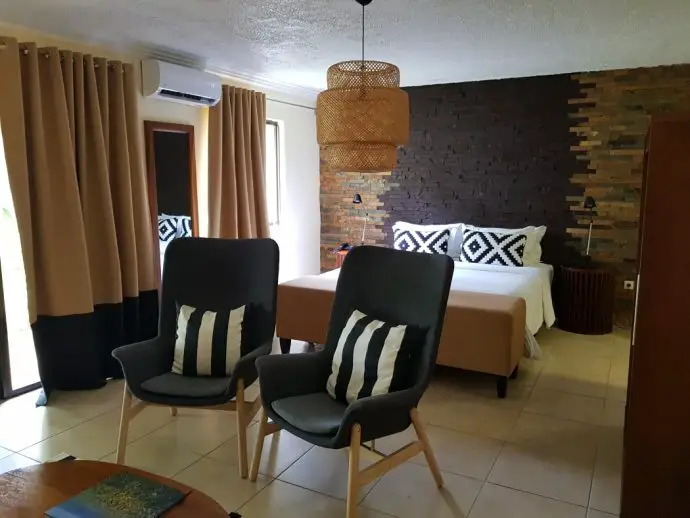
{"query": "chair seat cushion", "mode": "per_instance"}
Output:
(314, 413)
(170, 384)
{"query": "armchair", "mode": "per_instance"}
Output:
(397, 287)
(211, 274)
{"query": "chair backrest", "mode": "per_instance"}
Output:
(396, 287)
(221, 274)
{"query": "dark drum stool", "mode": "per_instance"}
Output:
(586, 298)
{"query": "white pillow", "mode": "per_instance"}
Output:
(532, 255)
(454, 243)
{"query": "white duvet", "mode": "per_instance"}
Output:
(532, 283)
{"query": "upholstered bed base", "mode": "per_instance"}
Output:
(482, 332)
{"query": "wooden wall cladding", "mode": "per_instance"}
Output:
(610, 118)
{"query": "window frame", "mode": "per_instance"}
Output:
(276, 125)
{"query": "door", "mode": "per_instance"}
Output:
(656, 471)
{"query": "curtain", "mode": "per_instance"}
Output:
(73, 150)
(236, 156)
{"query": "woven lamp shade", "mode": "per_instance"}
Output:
(363, 117)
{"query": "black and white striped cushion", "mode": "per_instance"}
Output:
(208, 343)
(369, 359)
(423, 241)
(482, 247)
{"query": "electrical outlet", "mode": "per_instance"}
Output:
(628, 285)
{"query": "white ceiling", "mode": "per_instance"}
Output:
(290, 43)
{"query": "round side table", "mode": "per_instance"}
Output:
(586, 299)
(34, 490)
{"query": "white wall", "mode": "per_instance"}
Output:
(298, 235)
(300, 219)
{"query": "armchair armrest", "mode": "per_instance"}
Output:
(286, 375)
(379, 416)
(246, 365)
(144, 360)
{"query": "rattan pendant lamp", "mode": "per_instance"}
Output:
(363, 116)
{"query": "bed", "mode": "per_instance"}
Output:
(493, 314)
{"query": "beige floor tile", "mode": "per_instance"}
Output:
(409, 491)
(37, 423)
(556, 471)
(587, 377)
(324, 471)
(534, 431)
(280, 451)
(563, 405)
(496, 502)
(198, 431)
(285, 500)
(606, 484)
(491, 418)
(456, 452)
(592, 513)
(97, 437)
(222, 482)
(161, 455)
(15, 461)
(90, 403)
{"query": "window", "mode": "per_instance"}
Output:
(272, 172)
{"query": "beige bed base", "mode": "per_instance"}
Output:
(482, 332)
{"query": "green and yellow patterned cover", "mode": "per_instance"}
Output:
(120, 496)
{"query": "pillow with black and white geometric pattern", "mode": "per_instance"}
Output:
(481, 247)
(167, 228)
(371, 358)
(425, 242)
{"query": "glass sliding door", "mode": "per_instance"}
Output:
(18, 366)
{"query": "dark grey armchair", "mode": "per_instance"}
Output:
(394, 286)
(211, 274)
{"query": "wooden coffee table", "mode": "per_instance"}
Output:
(30, 492)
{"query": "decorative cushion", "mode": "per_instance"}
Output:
(167, 228)
(314, 413)
(170, 384)
(423, 241)
(208, 343)
(369, 360)
(184, 227)
(454, 242)
(493, 248)
(532, 255)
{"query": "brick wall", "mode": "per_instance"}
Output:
(515, 152)
(493, 153)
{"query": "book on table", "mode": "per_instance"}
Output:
(123, 495)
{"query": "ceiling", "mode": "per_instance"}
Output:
(288, 44)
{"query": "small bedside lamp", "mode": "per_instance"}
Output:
(357, 200)
(590, 204)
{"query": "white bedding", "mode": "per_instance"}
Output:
(532, 283)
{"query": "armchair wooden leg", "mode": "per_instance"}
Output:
(353, 472)
(124, 426)
(173, 411)
(428, 452)
(259, 447)
(242, 430)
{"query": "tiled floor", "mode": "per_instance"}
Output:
(552, 449)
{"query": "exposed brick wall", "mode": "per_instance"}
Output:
(515, 152)
(610, 119)
(492, 153)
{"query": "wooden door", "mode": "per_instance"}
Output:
(656, 471)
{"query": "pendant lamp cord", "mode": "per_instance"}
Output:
(362, 36)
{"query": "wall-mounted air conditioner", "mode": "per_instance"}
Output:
(161, 80)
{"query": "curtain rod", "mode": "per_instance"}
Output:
(290, 104)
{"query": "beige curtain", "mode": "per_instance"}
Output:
(72, 144)
(236, 157)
